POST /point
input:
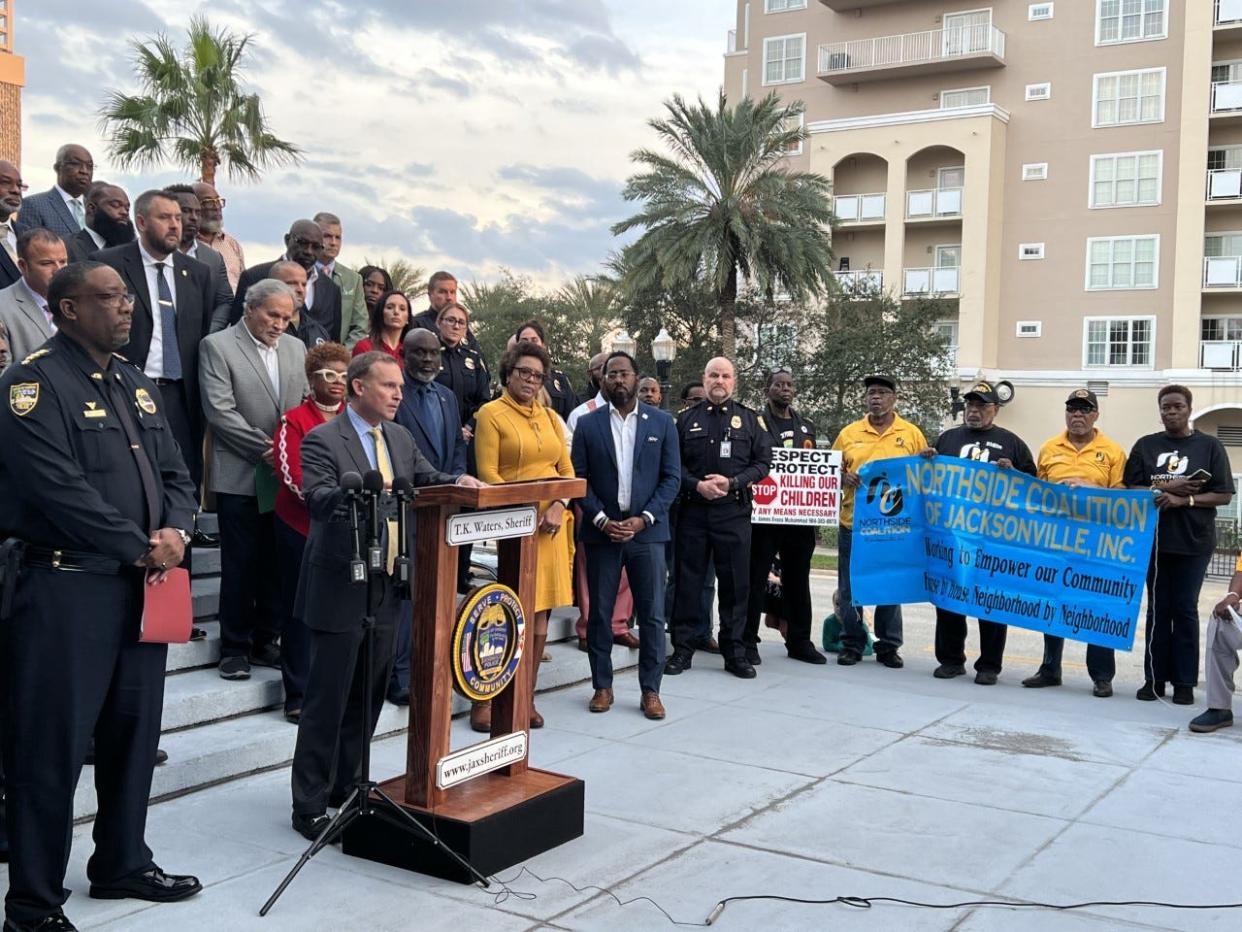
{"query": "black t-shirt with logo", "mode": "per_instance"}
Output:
(987, 446)
(794, 431)
(1156, 459)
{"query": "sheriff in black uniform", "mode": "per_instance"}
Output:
(462, 370)
(91, 467)
(723, 451)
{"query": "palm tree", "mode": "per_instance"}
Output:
(192, 110)
(406, 277)
(725, 204)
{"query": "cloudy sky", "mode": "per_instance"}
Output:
(469, 134)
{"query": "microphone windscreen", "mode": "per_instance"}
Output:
(402, 485)
(351, 482)
(373, 481)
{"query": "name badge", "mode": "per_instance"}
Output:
(726, 449)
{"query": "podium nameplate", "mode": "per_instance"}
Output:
(480, 758)
(500, 524)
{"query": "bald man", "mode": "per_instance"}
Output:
(62, 209)
(211, 231)
(303, 245)
(10, 204)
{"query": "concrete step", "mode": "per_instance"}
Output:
(206, 562)
(239, 727)
(196, 654)
(207, 522)
(205, 594)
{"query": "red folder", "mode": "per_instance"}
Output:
(167, 611)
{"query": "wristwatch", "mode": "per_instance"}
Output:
(1191, 499)
(185, 536)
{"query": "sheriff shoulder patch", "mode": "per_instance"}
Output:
(144, 400)
(23, 397)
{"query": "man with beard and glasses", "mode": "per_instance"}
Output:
(107, 222)
(303, 245)
(23, 305)
(211, 231)
(11, 190)
(190, 246)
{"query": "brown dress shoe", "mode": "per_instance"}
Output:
(626, 640)
(710, 646)
(601, 701)
(582, 645)
(652, 707)
(481, 717)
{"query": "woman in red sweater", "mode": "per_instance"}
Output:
(326, 365)
(390, 319)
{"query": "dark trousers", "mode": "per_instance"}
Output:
(718, 534)
(249, 589)
(1173, 584)
(73, 668)
(400, 678)
(887, 618)
(294, 636)
(1101, 662)
(795, 544)
(951, 642)
(704, 630)
(644, 564)
(184, 430)
(332, 730)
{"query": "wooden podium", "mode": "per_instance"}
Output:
(508, 815)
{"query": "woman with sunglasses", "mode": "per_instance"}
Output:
(517, 438)
(390, 319)
(326, 365)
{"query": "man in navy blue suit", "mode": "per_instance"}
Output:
(629, 454)
(11, 192)
(428, 411)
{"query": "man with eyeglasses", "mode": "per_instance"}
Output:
(104, 509)
(303, 245)
(211, 231)
(12, 189)
(61, 209)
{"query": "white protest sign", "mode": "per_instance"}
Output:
(804, 487)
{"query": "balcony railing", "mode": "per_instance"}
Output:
(1220, 354)
(1228, 12)
(731, 42)
(931, 281)
(861, 282)
(934, 202)
(1222, 272)
(1226, 96)
(859, 208)
(1224, 183)
(911, 49)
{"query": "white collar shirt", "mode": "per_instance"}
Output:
(154, 367)
(39, 301)
(271, 361)
(624, 439)
(95, 237)
(311, 277)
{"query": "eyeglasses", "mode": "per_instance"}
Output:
(307, 243)
(617, 375)
(111, 299)
(530, 375)
(13, 183)
(331, 376)
(453, 322)
(78, 163)
(212, 201)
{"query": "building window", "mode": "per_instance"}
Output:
(1129, 97)
(1118, 341)
(965, 97)
(1120, 262)
(1126, 179)
(1041, 91)
(782, 6)
(1130, 20)
(1035, 171)
(795, 123)
(1038, 11)
(1028, 329)
(784, 59)
(1029, 251)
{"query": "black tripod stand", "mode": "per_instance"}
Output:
(360, 802)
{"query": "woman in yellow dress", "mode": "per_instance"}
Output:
(517, 438)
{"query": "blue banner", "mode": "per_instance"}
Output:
(998, 544)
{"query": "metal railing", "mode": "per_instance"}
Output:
(911, 48)
(858, 208)
(1228, 11)
(1226, 96)
(931, 281)
(1224, 183)
(934, 202)
(860, 282)
(1222, 272)
(1220, 354)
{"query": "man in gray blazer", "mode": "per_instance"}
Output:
(23, 305)
(190, 246)
(61, 208)
(249, 374)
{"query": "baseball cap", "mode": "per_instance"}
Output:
(1082, 397)
(985, 392)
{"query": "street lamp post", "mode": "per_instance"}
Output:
(664, 351)
(623, 343)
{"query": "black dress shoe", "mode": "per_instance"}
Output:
(293, 716)
(152, 884)
(986, 677)
(946, 671)
(161, 757)
(847, 657)
(678, 663)
(53, 923)
(892, 660)
(1149, 692)
(1183, 695)
(198, 634)
(398, 696)
(309, 826)
(805, 652)
(203, 539)
(266, 656)
(1102, 689)
(752, 655)
(741, 668)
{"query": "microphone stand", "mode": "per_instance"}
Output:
(366, 799)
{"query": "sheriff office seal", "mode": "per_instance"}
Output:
(23, 397)
(487, 641)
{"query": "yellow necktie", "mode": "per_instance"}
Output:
(385, 468)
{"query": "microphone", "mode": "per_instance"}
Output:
(351, 485)
(373, 488)
(403, 490)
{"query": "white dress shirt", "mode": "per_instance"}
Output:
(95, 238)
(154, 368)
(270, 360)
(39, 301)
(311, 277)
(624, 437)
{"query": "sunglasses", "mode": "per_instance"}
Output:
(331, 376)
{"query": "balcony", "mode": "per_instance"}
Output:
(1226, 98)
(931, 282)
(1220, 354)
(1228, 13)
(846, 6)
(934, 204)
(913, 53)
(1224, 184)
(856, 209)
(1222, 272)
(860, 283)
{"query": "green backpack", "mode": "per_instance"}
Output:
(832, 635)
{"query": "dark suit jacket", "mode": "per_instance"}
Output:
(194, 302)
(326, 600)
(80, 246)
(9, 273)
(47, 209)
(657, 471)
(326, 308)
(222, 294)
(410, 416)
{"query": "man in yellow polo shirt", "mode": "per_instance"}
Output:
(880, 435)
(1081, 456)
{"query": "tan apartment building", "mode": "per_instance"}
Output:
(12, 79)
(1067, 174)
